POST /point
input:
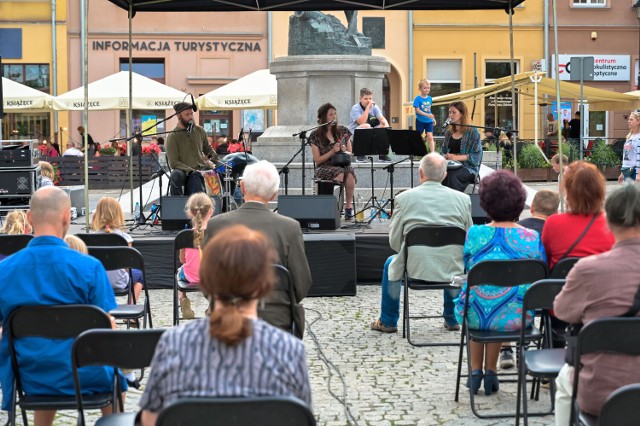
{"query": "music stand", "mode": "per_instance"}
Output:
(409, 143)
(368, 142)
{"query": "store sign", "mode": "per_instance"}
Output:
(178, 46)
(605, 67)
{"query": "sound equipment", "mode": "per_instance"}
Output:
(76, 194)
(174, 218)
(332, 261)
(313, 212)
(478, 215)
(21, 181)
(18, 153)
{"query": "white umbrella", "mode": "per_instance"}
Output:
(254, 91)
(17, 97)
(112, 93)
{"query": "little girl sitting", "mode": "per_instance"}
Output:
(47, 174)
(200, 209)
(109, 219)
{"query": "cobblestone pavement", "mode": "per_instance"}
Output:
(362, 377)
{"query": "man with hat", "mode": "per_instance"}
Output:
(188, 152)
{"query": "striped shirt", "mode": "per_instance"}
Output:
(188, 362)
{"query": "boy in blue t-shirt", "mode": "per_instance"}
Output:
(425, 120)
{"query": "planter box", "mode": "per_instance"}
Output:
(534, 175)
(610, 173)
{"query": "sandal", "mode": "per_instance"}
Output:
(377, 325)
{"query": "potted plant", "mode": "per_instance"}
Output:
(605, 158)
(532, 165)
(107, 151)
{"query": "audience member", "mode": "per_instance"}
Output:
(431, 203)
(48, 272)
(502, 196)
(16, 223)
(199, 209)
(260, 359)
(603, 285)
(555, 164)
(47, 174)
(222, 147)
(461, 144)
(544, 204)
(259, 185)
(72, 151)
(235, 146)
(161, 144)
(76, 244)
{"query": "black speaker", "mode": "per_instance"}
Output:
(332, 261)
(478, 214)
(19, 181)
(312, 211)
(174, 218)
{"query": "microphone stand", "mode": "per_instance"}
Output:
(303, 142)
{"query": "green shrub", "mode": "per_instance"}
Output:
(530, 157)
(603, 155)
(108, 151)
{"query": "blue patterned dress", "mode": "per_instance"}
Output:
(491, 307)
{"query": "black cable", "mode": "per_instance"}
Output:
(330, 365)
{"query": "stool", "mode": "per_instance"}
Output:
(331, 187)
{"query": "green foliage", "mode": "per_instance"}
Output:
(108, 151)
(603, 155)
(570, 151)
(530, 157)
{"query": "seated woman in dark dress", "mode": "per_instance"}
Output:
(461, 144)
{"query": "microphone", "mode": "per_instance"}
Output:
(446, 123)
(189, 128)
(193, 104)
(114, 140)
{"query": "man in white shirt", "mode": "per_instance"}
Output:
(72, 151)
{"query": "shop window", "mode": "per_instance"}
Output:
(445, 77)
(497, 107)
(32, 75)
(152, 68)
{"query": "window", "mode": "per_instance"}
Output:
(589, 3)
(32, 75)
(152, 68)
(497, 108)
(445, 78)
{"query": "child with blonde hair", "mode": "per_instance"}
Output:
(47, 174)
(76, 244)
(200, 209)
(16, 223)
(425, 120)
(109, 219)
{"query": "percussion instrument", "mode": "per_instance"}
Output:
(341, 159)
(240, 161)
(212, 183)
(453, 165)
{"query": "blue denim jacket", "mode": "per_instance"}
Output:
(470, 145)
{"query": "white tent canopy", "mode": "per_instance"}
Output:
(112, 93)
(17, 97)
(254, 91)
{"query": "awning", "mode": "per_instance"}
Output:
(112, 93)
(17, 97)
(254, 91)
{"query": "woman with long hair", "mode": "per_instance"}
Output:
(233, 353)
(461, 144)
(326, 142)
(631, 150)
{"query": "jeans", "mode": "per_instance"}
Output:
(181, 183)
(390, 305)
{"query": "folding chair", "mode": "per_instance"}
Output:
(541, 363)
(52, 322)
(183, 240)
(241, 411)
(429, 236)
(605, 335)
(282, 294)
(103, 240)
(561, 269)
(10, 244)
(502, 273)
(130, 349)
(620, 408)
(125, 258)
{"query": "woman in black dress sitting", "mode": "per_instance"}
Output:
(327, 142)
(461, 144)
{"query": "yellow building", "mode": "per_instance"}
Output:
(461, 50)
(27, 57)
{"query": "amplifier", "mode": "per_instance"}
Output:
(312, 211)
(76, 194)
(16, 158)
(174, 218)
(19, 181)
(332, 261)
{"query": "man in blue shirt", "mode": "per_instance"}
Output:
(48, 272)
(366, 115)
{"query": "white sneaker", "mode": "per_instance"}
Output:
(185, 308)
(506, 359)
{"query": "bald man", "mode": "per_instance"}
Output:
(48, 272)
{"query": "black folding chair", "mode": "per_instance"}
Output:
(429, 236)
(241, 411)
(283, 293)
(604, 335)
(52, 322)
(127, 349)
(183, 240)
(125, 258)
(103, 240)
(561, 269)
(502, 273)
(620, 408)
(544, 362)
(10, 244)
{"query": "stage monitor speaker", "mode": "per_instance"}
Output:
(312, 211)
(478, 215)
(174, 218)
(332, 261)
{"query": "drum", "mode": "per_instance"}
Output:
(240, 161)
(341, 159)
(212, 183)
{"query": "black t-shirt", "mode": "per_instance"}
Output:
(454, 145)
(574, 128)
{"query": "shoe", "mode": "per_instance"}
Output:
(476, 380)
(545, 383)
(185, 308)
(506, 359)
(379, 326)
(133, 323)
(451, 325)
(135, 383)
(384, 159)
(348, 214)
(361, 159)
(491, 382)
